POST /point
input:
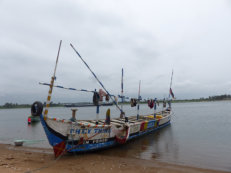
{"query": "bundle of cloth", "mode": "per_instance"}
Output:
(98, 97)
(102, 94)
(133, 102)
(151, 103)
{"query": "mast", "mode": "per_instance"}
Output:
(97, 111)
(155, 100)
(138, 105)
(52, 83)
(122, 89)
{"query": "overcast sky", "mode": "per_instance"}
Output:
(147, 38)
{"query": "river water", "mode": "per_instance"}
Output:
(199, 134)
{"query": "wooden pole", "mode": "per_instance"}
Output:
(122, 90)
(138, 105)
(52, 83)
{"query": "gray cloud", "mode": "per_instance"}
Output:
(146, 38)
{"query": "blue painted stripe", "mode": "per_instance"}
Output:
(148, 131)
(89, 147)
(71, 88)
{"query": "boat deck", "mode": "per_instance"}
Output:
(121, 121)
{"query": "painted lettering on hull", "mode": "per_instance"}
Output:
(89, 131)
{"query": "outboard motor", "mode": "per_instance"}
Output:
(36, 108)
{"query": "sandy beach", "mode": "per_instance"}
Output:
(26, 159)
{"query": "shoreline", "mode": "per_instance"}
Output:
(125, 103)
(30, 159)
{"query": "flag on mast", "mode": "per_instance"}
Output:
(171, 93)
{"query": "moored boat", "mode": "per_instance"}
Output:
(33, 119)
(86, 135)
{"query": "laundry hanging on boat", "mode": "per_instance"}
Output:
(96, 98)
(171, 93)
(150, 103)
(133, 102)
(102, 94)
(107, 98)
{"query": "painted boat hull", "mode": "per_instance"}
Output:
(81, 136)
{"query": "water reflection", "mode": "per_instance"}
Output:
(154, 146)
(34, 124)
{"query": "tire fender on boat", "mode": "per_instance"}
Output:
(36, 108)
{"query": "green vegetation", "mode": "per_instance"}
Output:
(16, 105)
(210, 98)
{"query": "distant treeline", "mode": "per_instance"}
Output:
(220, 97)
(210, 98)
(16, 105)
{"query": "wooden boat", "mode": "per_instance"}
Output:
(88, 135)
(33, 119)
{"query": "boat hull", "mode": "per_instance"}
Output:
(66, 136)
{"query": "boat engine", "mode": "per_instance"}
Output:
(36, 108)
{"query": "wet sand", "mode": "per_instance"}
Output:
(26, 159)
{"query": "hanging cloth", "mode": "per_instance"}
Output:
(150, 103)
(107, 98)
(131, 102)
(101, 94)
(96, 98)
(134, 102)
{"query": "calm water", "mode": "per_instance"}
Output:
(199, 134)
